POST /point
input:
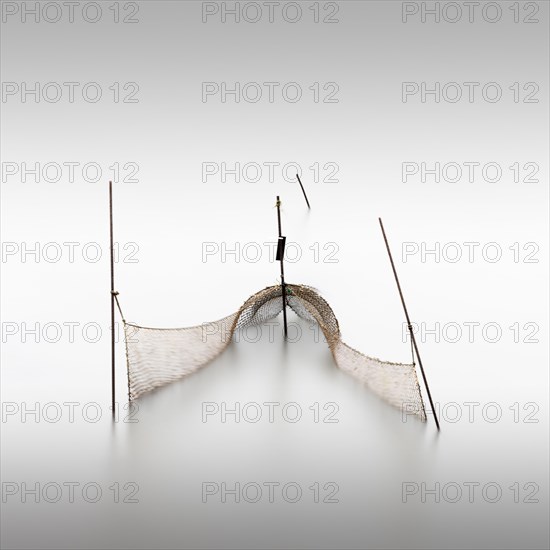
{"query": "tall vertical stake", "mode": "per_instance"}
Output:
(112, 297)
(409, 326)
(280, 257)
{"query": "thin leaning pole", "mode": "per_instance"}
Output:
(113, 297)
(409, 326)
(303, 190)
(280, 257)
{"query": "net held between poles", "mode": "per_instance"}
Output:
(158, 356)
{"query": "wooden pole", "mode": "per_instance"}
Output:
(281, 258)
(303, 190)
(409, 326)
(112, 297)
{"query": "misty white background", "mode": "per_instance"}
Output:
(170, 212)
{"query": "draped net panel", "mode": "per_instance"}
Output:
(158, 356)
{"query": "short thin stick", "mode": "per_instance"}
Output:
(283, 285)
(118, 306)
(409, 325)
(303, 190)
(112, 297)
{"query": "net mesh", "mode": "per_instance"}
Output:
(158, 356)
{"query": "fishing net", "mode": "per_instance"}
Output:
(158, 356)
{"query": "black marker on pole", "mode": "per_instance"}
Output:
(409, 326)
(113, 296)
(280, 257)
(303, 190)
